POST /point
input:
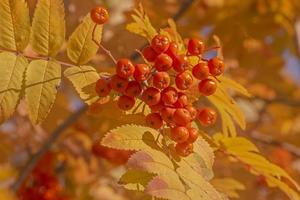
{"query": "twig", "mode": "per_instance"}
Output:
(69, 121)
(106, 51)
(53, 137)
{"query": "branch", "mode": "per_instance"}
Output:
(70, 120)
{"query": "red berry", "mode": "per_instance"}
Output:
(182, 100)
(154, 120)
(99, 15)
(184, 149)
(184, 80)
(193, 135)
(180, 63)
(200, 71)
(207, 87)
(160, 43)
(167, 115)
(103, 87)
(172, 50)
(193, 111)
(207, 116)
(157, 107)
(149, 53)
(163, 62)
(133, 89)
(216, 66)
(169, 96)
(118, 84)
(142, 72)
(151, 96)
(182, 116)
(161, 80)
(125, 68)
(179, 134)
(126, 102)
(195, 47)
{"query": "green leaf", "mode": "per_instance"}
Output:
(42, 79)
(81, 47)
(48, 27)
(131, 137)
(135, 179)
(228, 186)
(15, 24)
(84, 79)
(12, 69)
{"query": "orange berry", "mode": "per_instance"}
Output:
(195, 47)
(151, 96)
(200, 71)
(133, 89)
(180, 63)
(141, 73)
(118, 84)
(126, 102)
(207, 87)
(103, 87)
(182, 117)
(149, 54)
(161, 80)
(169, 96)
(99, 15)
(167, 115)
(125, 68)
(216, 66)
(193, 111)
(184, 80)
(184, 149)
(154, 120)
(179, 134)
(182, 100)
(193, 135)
(163, 62)
(160, 43)
(207, 116)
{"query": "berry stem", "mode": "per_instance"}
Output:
(212, 48)
(106, 51)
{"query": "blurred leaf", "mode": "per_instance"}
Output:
(228, 186)
(135, 180)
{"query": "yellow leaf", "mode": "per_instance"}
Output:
(81, 48)
(141, 25)
(131, 137)
(228, 83)
(15, 24)
(228, 186)
(135, 179)
(84, 80)
(6, 194)
(12, 69)
(48, 27)
(42, 79)
(246, 153)
(160, 189)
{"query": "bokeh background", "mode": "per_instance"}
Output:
(261, 46)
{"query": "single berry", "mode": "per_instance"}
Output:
(154, 120)
(160, 43)
(169, 96)
(167, 115)
(125, 68)
(216, 66)
(172, 50)
(182, 100)
(149, 53)
(207, 116)
(163, 62)
(179, 134)
(103, 87)
(141, 72)
(207, 87)
(184, 149)
(193, 135)
(195, 47)
(133, 89)
(118, 84)
(200, 71)
(151, 96)
(180, 63)
(184, 80)
(157, 107)
(182, 117)
(193, 111)
(126, 102)
(161, 80)
(99, 15)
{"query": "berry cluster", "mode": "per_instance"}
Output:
(162, 83)
(42, 184)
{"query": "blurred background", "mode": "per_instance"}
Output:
(261, 47)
